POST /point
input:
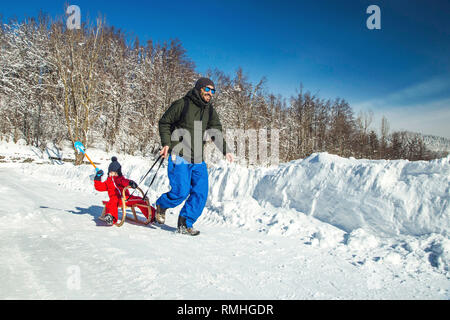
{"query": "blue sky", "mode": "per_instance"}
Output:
(401, 71)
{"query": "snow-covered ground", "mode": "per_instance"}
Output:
(323, 227)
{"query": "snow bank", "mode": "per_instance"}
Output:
(391, 197)
(387, 197)
(382, 197)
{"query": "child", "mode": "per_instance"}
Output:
(114, 185)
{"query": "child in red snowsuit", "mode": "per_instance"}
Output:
(114, 185)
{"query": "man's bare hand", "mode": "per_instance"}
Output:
(229, 157)
(164, 152)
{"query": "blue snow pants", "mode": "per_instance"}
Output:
(187, 180)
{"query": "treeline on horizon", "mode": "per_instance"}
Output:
(91, 85)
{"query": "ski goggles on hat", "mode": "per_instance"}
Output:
(208, 89)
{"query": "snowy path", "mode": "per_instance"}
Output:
(53, 248)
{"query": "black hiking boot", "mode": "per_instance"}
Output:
(183, 229)
(160, 214)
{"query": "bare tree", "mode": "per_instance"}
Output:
(76, 57)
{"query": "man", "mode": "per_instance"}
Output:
(187, 171)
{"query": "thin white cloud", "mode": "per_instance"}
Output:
(429, 118)
(415, 108)
(424, 89)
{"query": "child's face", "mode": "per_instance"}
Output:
(113, 174)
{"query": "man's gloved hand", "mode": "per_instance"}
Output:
(98, 175)
(133, 184)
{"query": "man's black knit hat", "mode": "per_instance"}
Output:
(203, 82)
(115, 166)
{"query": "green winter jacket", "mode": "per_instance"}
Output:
(198, 110)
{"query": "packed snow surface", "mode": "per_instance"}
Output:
(323, 227)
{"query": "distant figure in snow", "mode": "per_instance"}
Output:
(114, 185)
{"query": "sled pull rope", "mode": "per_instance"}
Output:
(142, 179)
(160, 163)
